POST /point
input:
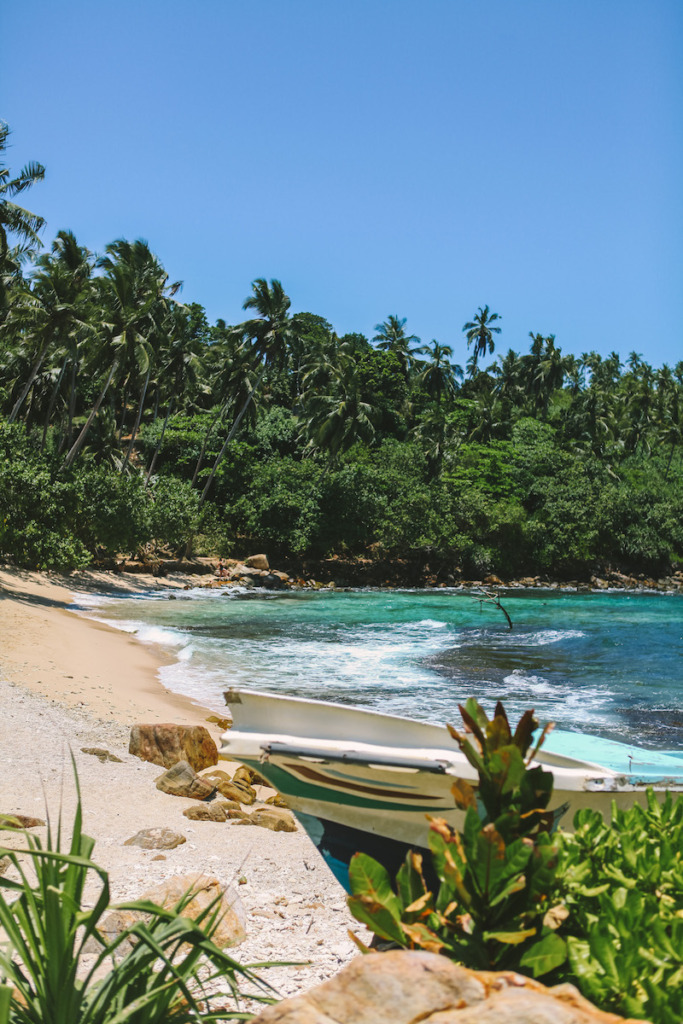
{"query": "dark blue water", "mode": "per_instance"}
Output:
(610, 664)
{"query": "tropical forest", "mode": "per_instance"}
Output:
(129, 424)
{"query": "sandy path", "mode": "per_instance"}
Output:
(67, 682)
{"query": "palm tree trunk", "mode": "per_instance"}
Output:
(136, 426)
(231, 434)
(80, 440)
(207, 435)
(53, 402)
(27, 386)
(160, 441)
(123, 411)
(66, 438)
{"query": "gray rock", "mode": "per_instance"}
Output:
(156, 839)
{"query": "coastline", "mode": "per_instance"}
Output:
(78, 661)
(68, 682)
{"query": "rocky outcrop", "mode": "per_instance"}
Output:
(156, 839)
(181, 780)
(168, 744)
(405, 987)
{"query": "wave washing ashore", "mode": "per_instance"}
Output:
(607, 664)
(66, 683)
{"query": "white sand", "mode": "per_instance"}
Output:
(67, 682)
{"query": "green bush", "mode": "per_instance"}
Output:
(622, 884)
(37, 512)
(174, 515)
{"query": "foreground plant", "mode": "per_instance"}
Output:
(493, 907)
(169, 974)
(623, 888)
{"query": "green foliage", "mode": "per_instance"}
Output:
(280, 509)
(623, 886)
(167, 974)
(601, 907)
(174, 515)
(539, 463)
(492, 909)
(38, 514)
(114, 512)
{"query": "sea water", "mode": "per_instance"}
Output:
(610, 664)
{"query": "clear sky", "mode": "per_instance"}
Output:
(419, 158)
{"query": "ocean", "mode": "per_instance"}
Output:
(609, 664)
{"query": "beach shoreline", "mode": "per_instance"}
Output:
(69, 682)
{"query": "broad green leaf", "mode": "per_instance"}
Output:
(377, 918)
(370, 880)
(545, 955)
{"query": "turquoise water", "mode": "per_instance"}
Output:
(608, 664)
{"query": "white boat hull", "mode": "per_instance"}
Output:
(361, 780)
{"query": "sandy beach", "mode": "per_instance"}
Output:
(68, 682)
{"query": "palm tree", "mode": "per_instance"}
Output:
(479, 333)
(180, 363)
(134, 294)
(56, 313)
(341, 417)
(438, 378)
(14, 219)
(271, 335)
(391, 337)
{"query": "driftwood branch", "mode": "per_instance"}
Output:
(492, 598)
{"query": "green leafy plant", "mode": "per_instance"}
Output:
(493, 908)
(170, 973)
(623, 886)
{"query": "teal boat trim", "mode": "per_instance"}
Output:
(289, 785)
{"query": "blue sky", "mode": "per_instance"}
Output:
(377, 156)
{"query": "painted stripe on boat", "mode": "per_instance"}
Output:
(310, 773)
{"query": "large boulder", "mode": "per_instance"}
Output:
(168, 744)
(403, 987)
(181, 780)
(257, 562)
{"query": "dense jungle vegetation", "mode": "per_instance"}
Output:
(126, 419)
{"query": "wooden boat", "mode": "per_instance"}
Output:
(362, 781)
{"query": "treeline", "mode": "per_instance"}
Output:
(126, 419)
